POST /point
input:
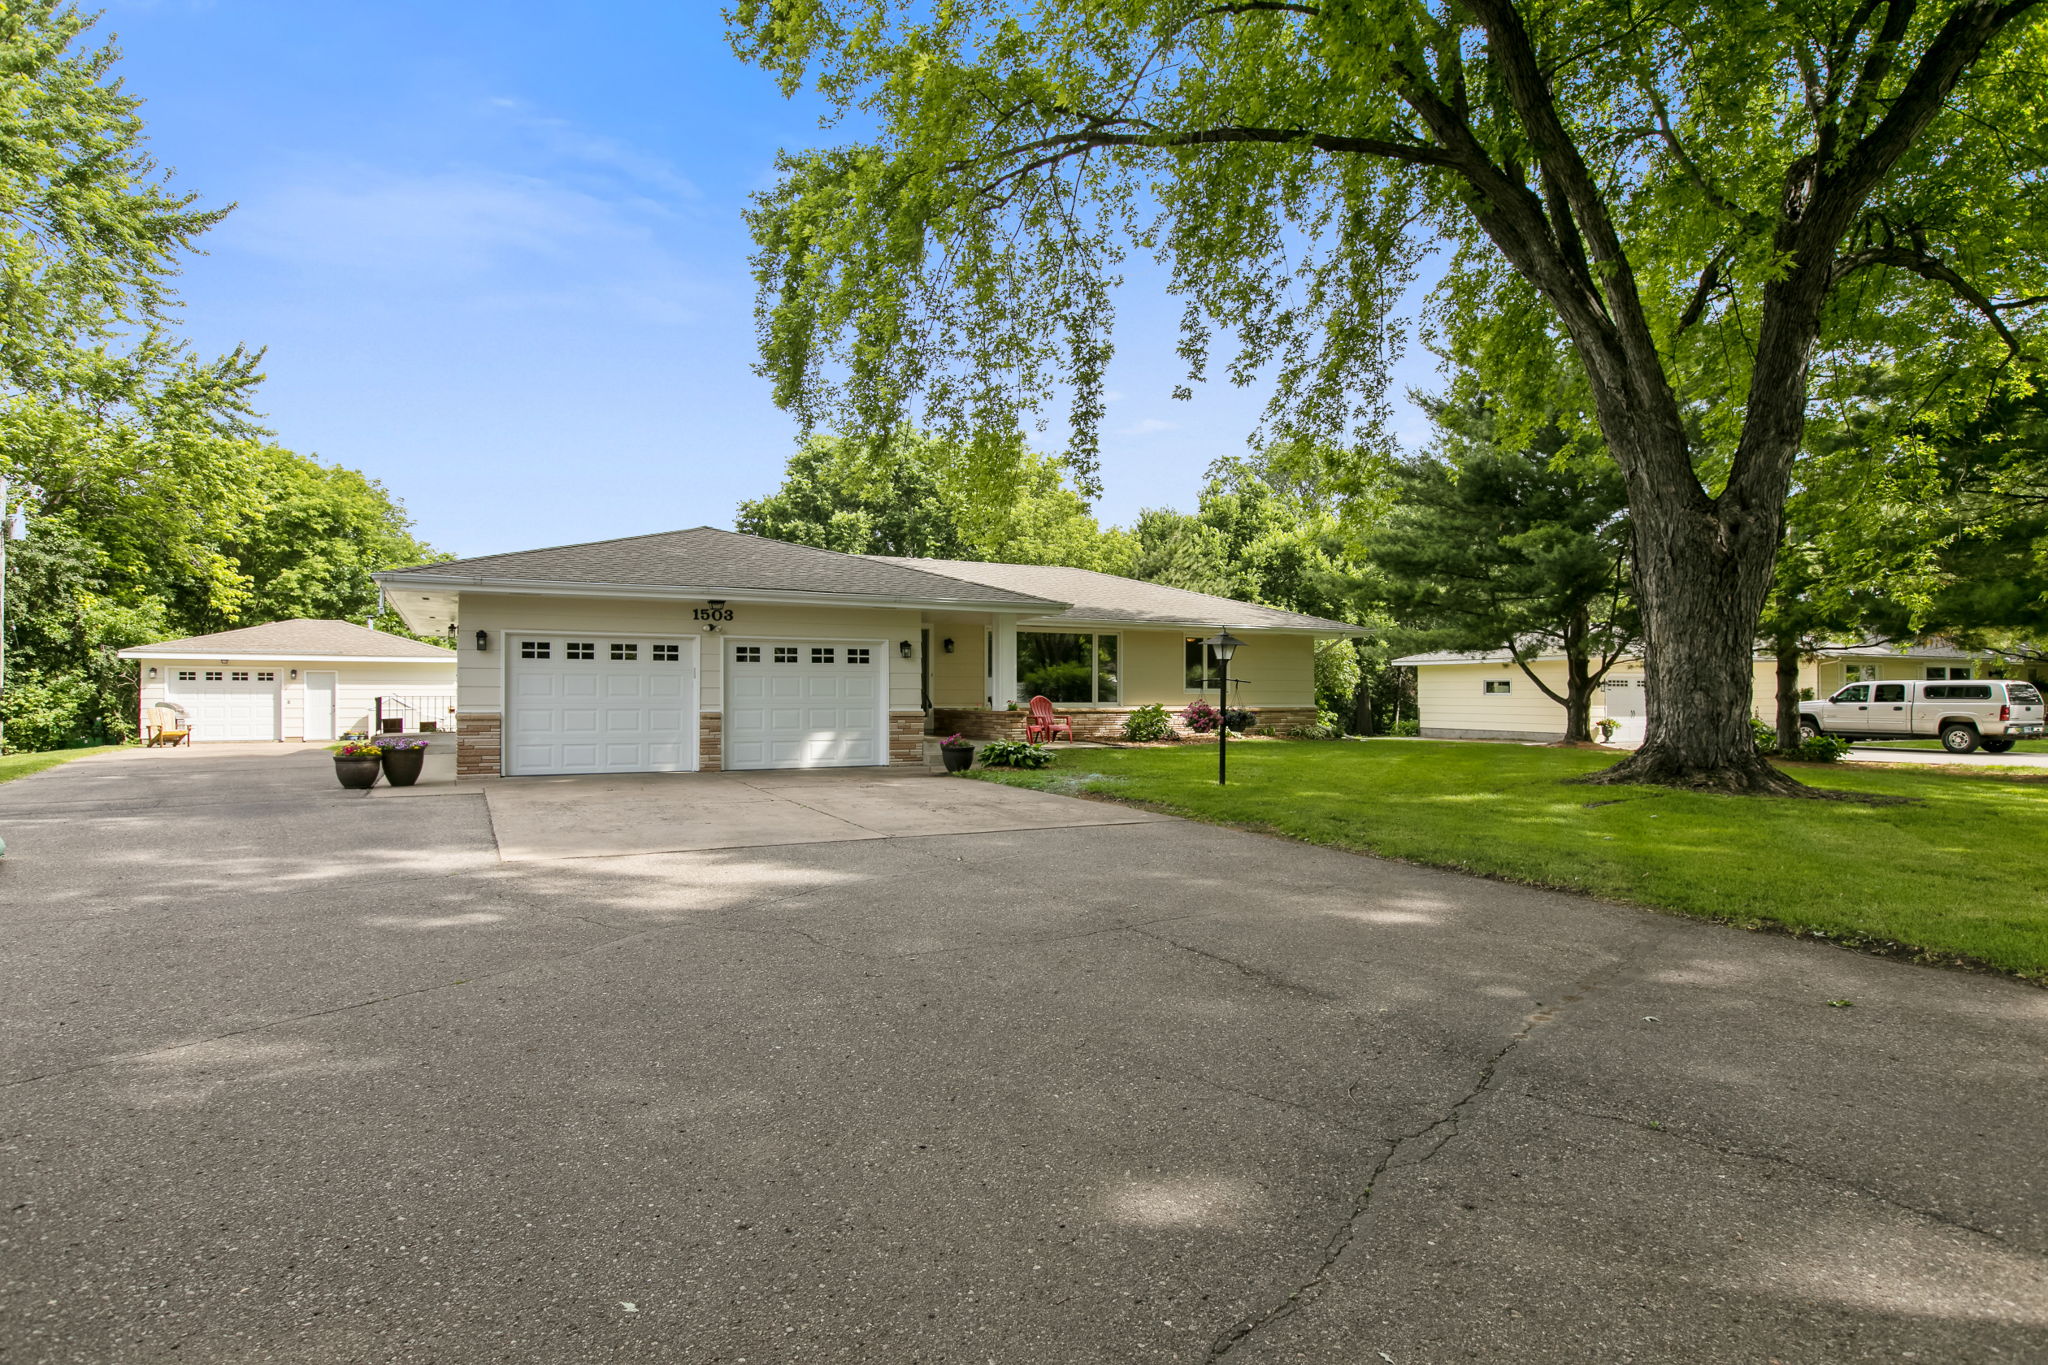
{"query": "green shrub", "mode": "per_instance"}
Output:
(1148, 724)
(1819, 749)
(1014, 753)
(1408, 727)
(47, 711)
(1766, 736)
(1326, 726)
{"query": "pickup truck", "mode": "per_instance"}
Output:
(1995, 713)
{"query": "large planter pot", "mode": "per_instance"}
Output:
(957, 760)
(357, 774)
(402, 766)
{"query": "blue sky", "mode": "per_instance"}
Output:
(496, 254)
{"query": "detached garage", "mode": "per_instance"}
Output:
(296, 680)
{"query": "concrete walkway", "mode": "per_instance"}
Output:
(294, 1076)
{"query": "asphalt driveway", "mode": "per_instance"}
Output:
(294, 1076)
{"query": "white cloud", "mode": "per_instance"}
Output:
(1148, 426)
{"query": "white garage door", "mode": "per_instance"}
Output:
(587, 703)
(226, 702)
(814, 704)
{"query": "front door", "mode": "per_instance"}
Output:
(320, 690)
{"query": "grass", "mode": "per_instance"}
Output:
(1954, 876)
(21, 765)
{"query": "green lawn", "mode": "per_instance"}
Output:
(1958, 875)
(21, 765)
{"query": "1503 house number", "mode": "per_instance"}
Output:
(711, 614)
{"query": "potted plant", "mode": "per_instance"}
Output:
(958, 753)
(403, 756)
(357, 763)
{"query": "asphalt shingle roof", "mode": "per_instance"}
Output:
(302, 638)
(708, 558)
(1094, 596)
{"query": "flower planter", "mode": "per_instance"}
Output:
(958, 759)
(402, 766)
(357, 774)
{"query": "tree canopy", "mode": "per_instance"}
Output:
(1716, 211)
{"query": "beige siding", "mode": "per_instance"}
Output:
(482, 673)
(1454, 701)
(959, 679)
(357, 687)
(1271, 670)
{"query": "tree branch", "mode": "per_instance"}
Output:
(1931, 267)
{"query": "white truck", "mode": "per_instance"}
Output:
(1995, 713)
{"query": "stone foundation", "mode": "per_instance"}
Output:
(479, 744)
(1096, 723)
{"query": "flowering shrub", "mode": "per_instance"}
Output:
(1201, 717)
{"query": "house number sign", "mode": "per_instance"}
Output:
(712, 614)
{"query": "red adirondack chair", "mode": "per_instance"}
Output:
(1042, 724)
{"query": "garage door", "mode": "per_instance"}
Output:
(226, 702)
(599, 704)
(805, 705)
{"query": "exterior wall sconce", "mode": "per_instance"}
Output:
(295, 675)
(483, 640)
(949, 644)
(152, 675)
(903, 648)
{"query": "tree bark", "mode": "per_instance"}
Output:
(1361, 695)
(1788, 692)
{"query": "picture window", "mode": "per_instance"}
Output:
(1067, 668)
(579, 649)
(534, 649)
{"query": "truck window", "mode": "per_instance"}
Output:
(1980, 692)
(1857, 692)
(2022, 694)
(1891, 692)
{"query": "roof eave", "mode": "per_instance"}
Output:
(203, 655)
(691, 593)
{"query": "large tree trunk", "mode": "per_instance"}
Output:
(1788, 692)
(1578, 689)
(1361, 695)
(1702, 572)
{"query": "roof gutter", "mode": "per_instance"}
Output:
(555, 588)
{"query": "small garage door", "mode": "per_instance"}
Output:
(226, 702)
(589, 703)
(812, 704)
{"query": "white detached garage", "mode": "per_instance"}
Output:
(301, 679)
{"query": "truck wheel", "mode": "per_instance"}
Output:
(1959, 738)
(1999, 746)
(1808, 730)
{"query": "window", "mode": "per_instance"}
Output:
(746, 654)
(2021, 694)
(1860, 692)
(1498, 687)
(188, 675)
(213, 675)
(1959, 673)
(668, 654)
(1066, 668)
(626, 652)
(1890, 692)
(1936, 674)
(785, 654)
(858, 656)
(1859, 672)
(533, 649)
(579, 649)
(238, 677)
(266, 677)
(823, 654)
(1203, 672)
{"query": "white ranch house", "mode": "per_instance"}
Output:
(708, 649)
(1487, 696)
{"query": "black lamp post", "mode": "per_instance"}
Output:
(1223, 644)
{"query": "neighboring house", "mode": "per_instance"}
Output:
(1486, 696)
(707, 649)
(301, 679)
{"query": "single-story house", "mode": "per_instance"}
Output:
(709, 649)
(298, 679)
(1487, 696)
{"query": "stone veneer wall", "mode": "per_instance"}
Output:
(479, 744)
(1099, 723)
(906, 738)
(710, 741)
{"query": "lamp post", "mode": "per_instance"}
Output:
(1223, 644)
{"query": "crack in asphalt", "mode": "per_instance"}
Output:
(1272, 980)
(1779, 1159)
(1447, 1124)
